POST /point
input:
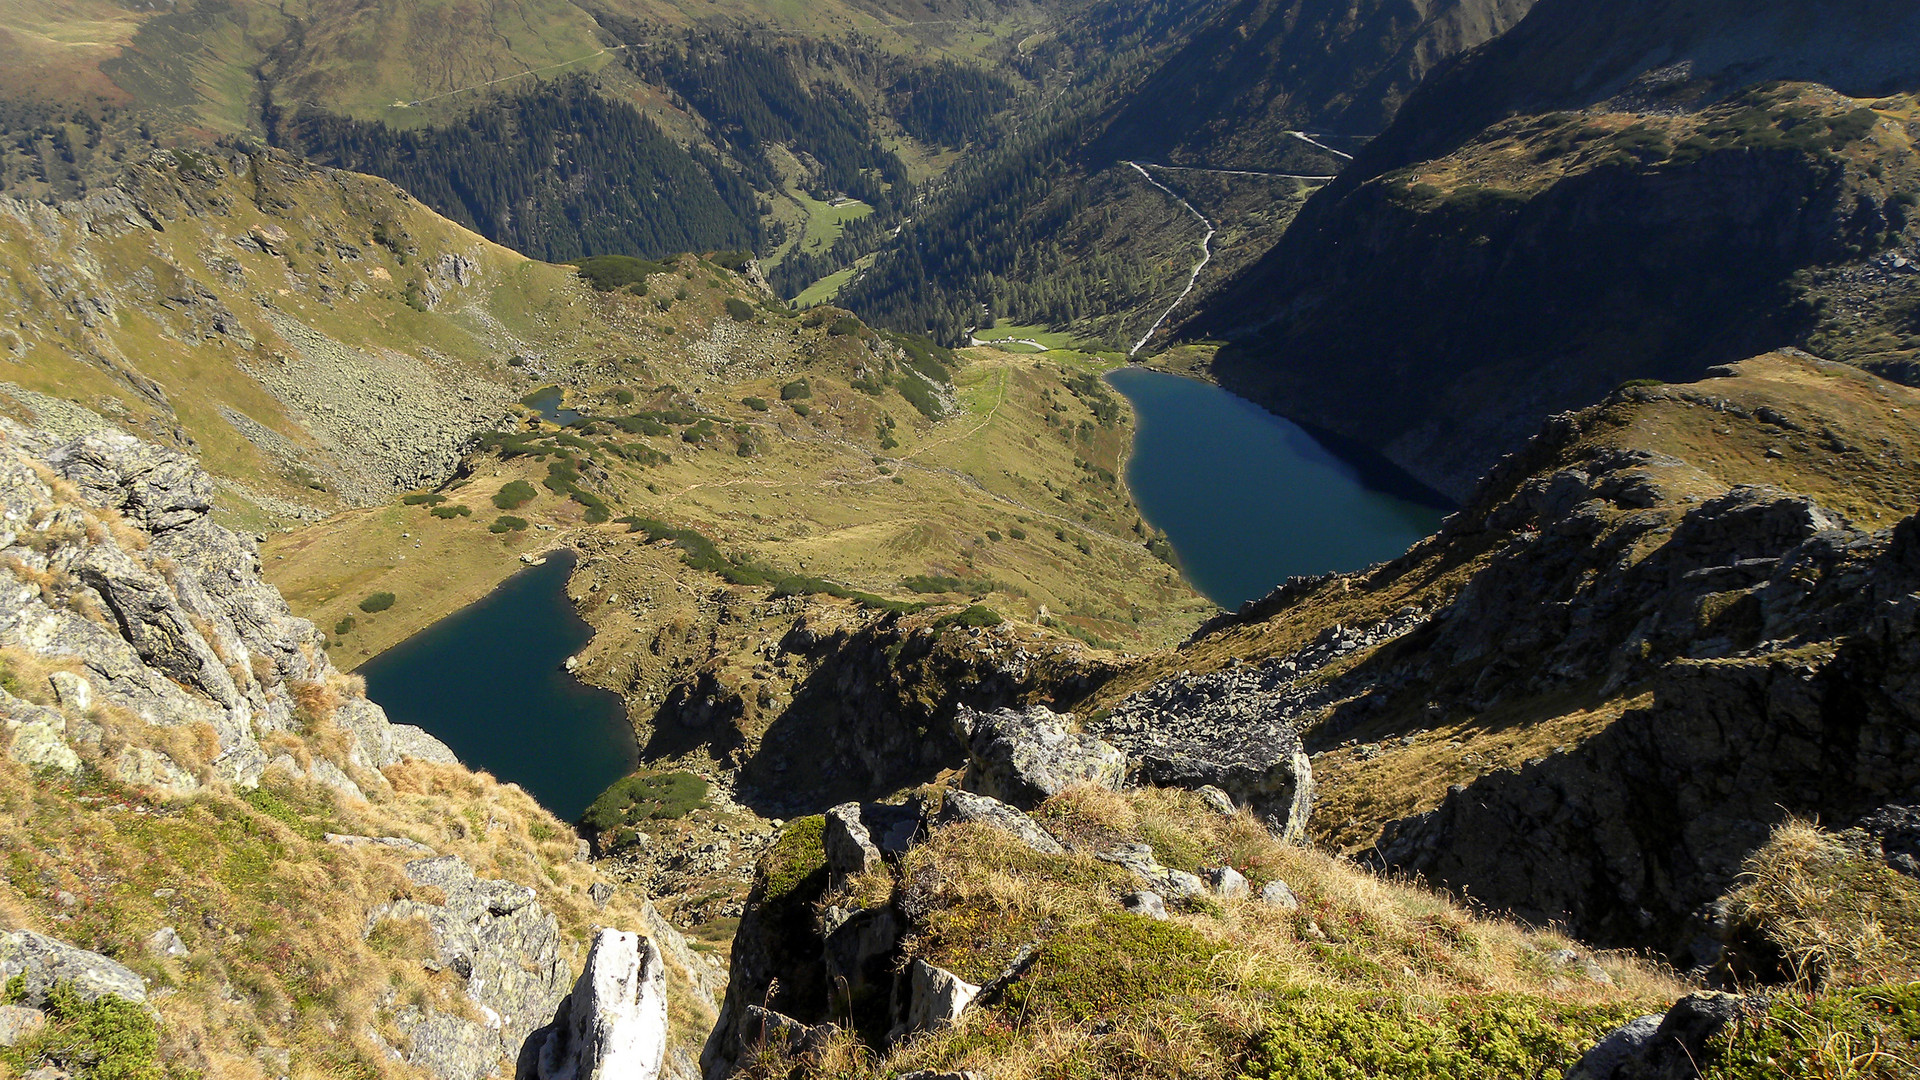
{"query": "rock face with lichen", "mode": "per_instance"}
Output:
(153, 620)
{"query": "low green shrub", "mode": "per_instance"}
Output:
(106, 1039)
(739, 310)
(379, 601)
(506, 523)
(344, 626)
(430, 498)
(514, 495)
(451, 512)
(1327, 1035)
(973, 617)
(756, 404)
(648, 797)
(798, 388)
(609, 272)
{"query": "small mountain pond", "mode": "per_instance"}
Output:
(488, 681)
(1249, 499)
(546, 402)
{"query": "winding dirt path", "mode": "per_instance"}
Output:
(1193, 278)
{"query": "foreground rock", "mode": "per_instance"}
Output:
(965, 806)
(1658, 1047)
(1024, 757)
(613, 1026)
(505, 947)
(41, 963)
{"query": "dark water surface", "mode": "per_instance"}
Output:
(1249, 499)
(487, 681)
(547, 403)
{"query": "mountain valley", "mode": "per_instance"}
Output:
(778, 336)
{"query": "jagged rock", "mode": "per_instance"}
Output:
(1218, 800)
(600, 892)
(613, 1026)
(1140, 859)
(173, 625)
(765, 1028)
(71, 691)
(859, 949)
(144, 768)
(38, 736)
(1025, 756)
(965, 806)
(165, 943)
(1276, 894)
(708, 976)
(1891, 833)
(18, 1024)
(1145, 902)
(506, 947)
(935, 998)
(1226, 882)
(1234, 731)
(43, 962)
(850, 850)
(1661, 1048)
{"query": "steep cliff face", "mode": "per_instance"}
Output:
(1439, 311)
(1594, 196)
(1260, 67)
(211, 822)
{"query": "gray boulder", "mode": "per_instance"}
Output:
(19, 1023)
(1140, 859)
(1025, 756)
(765, 1029)
(44, 962)
(935, 998)
(1145, 902)
(1662, 1047)
(165, 944)
(1622, 1046)
(1226, 882)
(849, 846)
(613, 1026)
(965, 806)
(1276, 894)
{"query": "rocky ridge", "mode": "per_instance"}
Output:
(118, 570)
(141, 655)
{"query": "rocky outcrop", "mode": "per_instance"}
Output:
(965, 806)
(119, 577)
(1236, 730)
(1023, 757)
(1801, 701)
(875, 709)
(613, 1026)
(504, 946)
(41, 963)
(1669, 1047)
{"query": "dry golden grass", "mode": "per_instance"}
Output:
(1838, 917)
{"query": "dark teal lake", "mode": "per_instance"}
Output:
(488, 681)
(547, 403)
(1249, 499)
